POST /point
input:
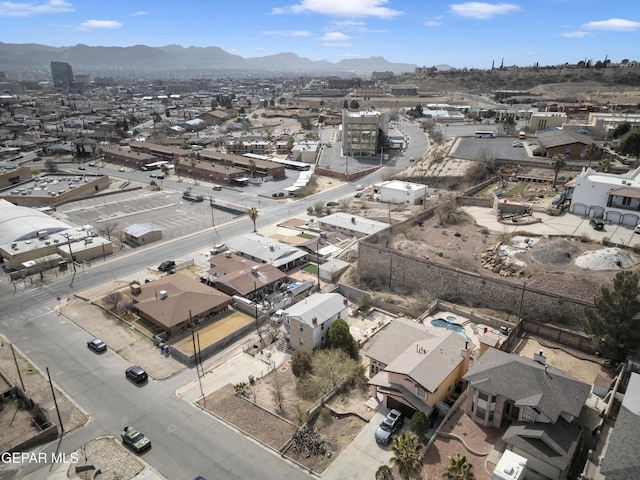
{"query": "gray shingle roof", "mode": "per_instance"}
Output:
(528, 383)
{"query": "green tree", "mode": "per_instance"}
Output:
(165, 169)
(621, 130)
(301, 363)
(176, 164)
(384, 473)
(603, 166)
(557, 163)
(631, 144)
(419, 423)
(339, 336)
(459, 468)
(614, 320)
(253, 213)
(252, 167)
(407, 453)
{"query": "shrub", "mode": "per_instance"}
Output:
(301, 363)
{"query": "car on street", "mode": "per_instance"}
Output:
(332, 204)
(166, 266)
(636, 229)
(153, 175)
(97, 345)
(137, 374)
(596, 224)
(359, 194)
(81, 167)
(160, 177)
(390, 425)
(135, 439)
(277, 194)
(359, 187)
(217, 188)
(411, 159)
(121, 169)
(517, 144)
(92, 164)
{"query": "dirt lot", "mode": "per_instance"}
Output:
(257, 413)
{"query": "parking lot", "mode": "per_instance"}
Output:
(166, 209)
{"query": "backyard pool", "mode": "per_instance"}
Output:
(450, 325)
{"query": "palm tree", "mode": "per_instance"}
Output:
(603, 166)
(407, 453)
(591, 151)
(384, 472)
(557, 163)
(253, 213)
(459, 468)
(176, 162)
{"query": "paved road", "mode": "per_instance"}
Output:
(185, 440)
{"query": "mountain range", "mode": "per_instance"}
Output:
(86, 59)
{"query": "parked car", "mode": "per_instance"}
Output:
(359, 194)
(277, 194)
(166, 266)
(92, 164)
(390, 425)
(137, 374)
(160, 177)
(359, 187)
(217, 248)
(332, 204)
(217, 187)
(135, 439)
(636, 229)
(81, 167)
(153, 175)
(517, 144)
(597, 224)
(411, 159)
(97, 345)
(121, 169)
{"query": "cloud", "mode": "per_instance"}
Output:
(482, 10)
(337, 44)
(11, 9)
(136, 14)
(100, 24)
(576, 34)
(335, 37)
(288, 33)
(614, 24)
(433, 21)
(341, 8)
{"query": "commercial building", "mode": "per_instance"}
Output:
(360, 132)
(62, 75)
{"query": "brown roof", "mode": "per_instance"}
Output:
(625, 192)
(186, 298)
(236, 272)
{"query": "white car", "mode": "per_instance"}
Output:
(121, 169)
(359, 187)
(636, 229)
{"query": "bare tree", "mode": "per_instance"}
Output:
(107, 229)
(112, 299)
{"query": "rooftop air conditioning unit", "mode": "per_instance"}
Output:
(163, 294)
(254, 269)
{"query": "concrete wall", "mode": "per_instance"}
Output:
(471, 289)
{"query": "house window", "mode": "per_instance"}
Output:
(420, 392)
(483, 396)
(301, 342)
(301, 328)
(528, 415)
(481, 412)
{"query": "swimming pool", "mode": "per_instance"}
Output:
(442, 323)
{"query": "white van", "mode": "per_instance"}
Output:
(218, 248)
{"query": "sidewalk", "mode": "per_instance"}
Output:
(231, 367)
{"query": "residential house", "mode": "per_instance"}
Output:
(403, 193)
(534, 404)
(608, 196)
(237, 275)
(306, 323)
(571, 145)
(173, 302)
(620, 459)
(414, 367)
(267, 250)
(350, 225)
(142, 234)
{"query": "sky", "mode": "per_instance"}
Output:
(420, 32)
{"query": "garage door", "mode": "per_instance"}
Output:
(405, 409)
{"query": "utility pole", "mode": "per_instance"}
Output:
(55, 402)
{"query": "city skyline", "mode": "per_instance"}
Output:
(460, 34)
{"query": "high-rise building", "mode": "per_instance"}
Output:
(360, 132)
(62, 74)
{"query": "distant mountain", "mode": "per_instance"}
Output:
(138, 58)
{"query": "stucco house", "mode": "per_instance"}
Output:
(608, 196)
(535, 405)
(414, 367)
(306, 323)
